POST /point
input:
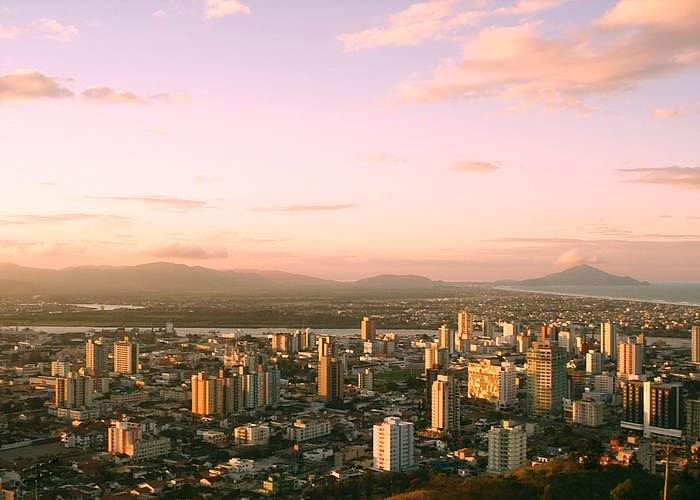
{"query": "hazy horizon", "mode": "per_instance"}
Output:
(469, 140)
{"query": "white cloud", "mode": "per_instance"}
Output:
(54, 30)
(575, 257)
(220, 8)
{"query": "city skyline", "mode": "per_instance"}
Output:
(460, 140)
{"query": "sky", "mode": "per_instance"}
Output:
(456, 139)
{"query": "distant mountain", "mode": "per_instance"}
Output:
(583, 275)
(397, 281)
(168, 278)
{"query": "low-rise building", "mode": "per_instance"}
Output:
(252, 435)
(305, 430)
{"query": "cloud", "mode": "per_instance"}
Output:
(418, 22)
(54, 30)
(9, 32)
(320, 207)
(28, 84)
(99, 93)
(220, 8)
(190, 252)
(575, 257)
(159, 13)
(669, 176)
(474, 166)
(677, 112)
(159, 201)
(433, 20)
(8, 220)
(171, 97)
(525, 62)
(380, 158)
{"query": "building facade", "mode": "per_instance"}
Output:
(393, 446)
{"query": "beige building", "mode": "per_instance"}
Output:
(608, 340)
(493, 381)
(630, 358)
(128, 438)
(252, 435)
(507, 448)
(445, 404)
(446, 338)
(126, 357)
(330, 378)
(546, 378)
(96, 357)
(695, 344)
(368, 329)
(73, 391)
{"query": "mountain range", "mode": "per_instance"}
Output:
(582, 275)
(163, 277)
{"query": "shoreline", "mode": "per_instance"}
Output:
(603, 297)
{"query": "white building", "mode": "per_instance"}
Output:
(588, 413)
(252, 435)
(608, 339)
(594, 362)
(507, 447)
(305, 430)
(393, 444)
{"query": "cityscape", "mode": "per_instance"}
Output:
(350, 250)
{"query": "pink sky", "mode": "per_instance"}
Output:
(458, 139)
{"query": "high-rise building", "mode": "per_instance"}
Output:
(588, 413)
(507, 448)
(546, 378)
(465, 324)
(510, 329)
(308, 340)
(594, 362)
(368, 329)
(692, 419)
(330, 378)
(126, 357)
(524, 343)
(436, 357)
(608, 340)
(207, 395)
(446, 338)
(393, 445)
(493, 381)
(445, 414)
(73, 391)
(286, 342)
(96, 357)
(653, 408)
(567, 341)
(221, 395)
(695, 344)
(365, 379)
(630, 358)
(61, 368)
